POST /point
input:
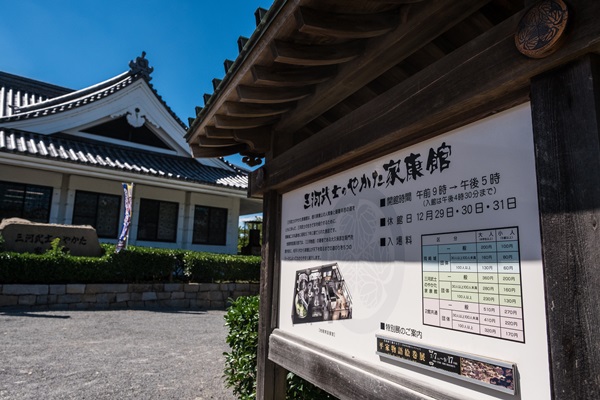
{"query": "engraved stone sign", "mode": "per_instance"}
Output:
(23, 236)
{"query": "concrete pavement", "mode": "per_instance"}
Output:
(121, 354)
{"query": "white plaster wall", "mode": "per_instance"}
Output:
(185, 222)
(88, 184)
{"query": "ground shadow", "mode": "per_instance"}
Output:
(32, 314)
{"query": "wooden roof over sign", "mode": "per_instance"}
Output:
(322, 86)
(311, 62)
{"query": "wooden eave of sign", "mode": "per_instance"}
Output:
(311, 56)
(485, 76)
(313, 68)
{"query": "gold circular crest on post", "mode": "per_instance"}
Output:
(542, 28)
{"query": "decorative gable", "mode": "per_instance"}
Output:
(123, 129)
(124, 110)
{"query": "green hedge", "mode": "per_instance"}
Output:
(206, 267)
(240, 362)
(136, 264)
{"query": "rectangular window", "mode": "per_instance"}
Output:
(98, 210)
(158, 221)
(210, 225)
(30, 202)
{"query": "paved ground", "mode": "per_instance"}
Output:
(125, 354)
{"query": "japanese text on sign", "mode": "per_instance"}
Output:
(395, 172)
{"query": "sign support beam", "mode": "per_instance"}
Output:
(271, 378)
(566, 117)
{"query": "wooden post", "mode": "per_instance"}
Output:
(566, 116)
(271, 378)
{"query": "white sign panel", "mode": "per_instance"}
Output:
(428, 262)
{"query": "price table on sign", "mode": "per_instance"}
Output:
(472, 282)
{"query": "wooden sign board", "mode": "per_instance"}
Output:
(427, 263)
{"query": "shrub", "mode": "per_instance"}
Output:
(135, 264)
(300, 389)
(240, 363)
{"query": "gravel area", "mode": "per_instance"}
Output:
(124, 354)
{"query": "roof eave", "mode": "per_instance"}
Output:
(230, 75)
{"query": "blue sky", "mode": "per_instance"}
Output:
(77, 43)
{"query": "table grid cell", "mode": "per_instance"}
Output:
(472, 282)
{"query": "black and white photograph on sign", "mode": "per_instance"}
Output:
(321, 295)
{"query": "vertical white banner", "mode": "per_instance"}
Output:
(127, 207)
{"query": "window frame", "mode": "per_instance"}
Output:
(211, 241)
(28, 188)
(146, 221)
(95, 224)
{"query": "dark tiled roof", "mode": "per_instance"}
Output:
(70, 100)
(17, 91)
(23, 98)
(106, 156)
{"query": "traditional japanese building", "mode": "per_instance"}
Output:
(64, 154)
